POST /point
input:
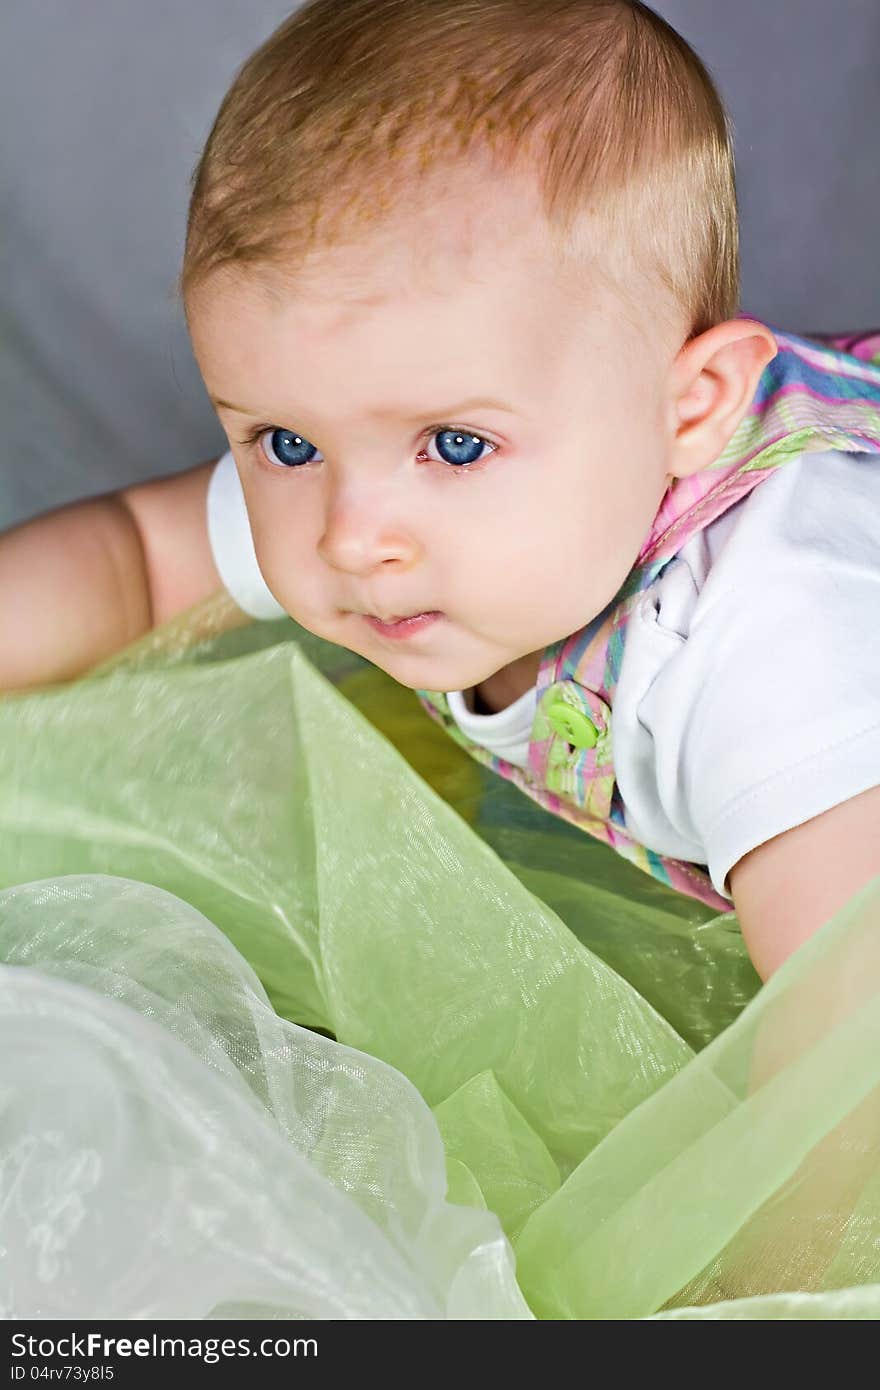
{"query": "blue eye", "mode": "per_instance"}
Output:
(286, 449)
(459, 447)
(289, 449)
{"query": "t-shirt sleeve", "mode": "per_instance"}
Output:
(232, 545)
(769, 713)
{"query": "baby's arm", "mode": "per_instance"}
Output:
(783, 892)
(81, 582)
(788, 887)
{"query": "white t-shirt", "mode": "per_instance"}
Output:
(749, 691)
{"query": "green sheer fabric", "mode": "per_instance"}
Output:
(528, 1054)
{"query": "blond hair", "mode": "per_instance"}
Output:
(328, 123)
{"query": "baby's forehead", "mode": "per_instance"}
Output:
(463, 225)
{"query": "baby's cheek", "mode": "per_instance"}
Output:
(281, 559)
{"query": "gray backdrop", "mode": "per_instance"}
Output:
(106, 104)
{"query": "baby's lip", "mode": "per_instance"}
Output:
(400, 617)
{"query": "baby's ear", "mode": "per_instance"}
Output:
(713, 382)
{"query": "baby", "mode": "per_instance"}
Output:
(463, 285)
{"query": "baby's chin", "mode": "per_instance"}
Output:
(420, 671)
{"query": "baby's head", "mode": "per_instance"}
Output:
(466, 275)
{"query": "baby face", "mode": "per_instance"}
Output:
(436, 422)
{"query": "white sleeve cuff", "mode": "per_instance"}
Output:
(232, 545)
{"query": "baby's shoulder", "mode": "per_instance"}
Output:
(807, 538)
(817, 504)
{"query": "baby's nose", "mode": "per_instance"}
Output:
(358, 537)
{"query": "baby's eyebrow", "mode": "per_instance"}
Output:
(227, 405)
(478, 403)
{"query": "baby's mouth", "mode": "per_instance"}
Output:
(399, 617)
(402, 626)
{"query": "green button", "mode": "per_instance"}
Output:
(572, 725)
